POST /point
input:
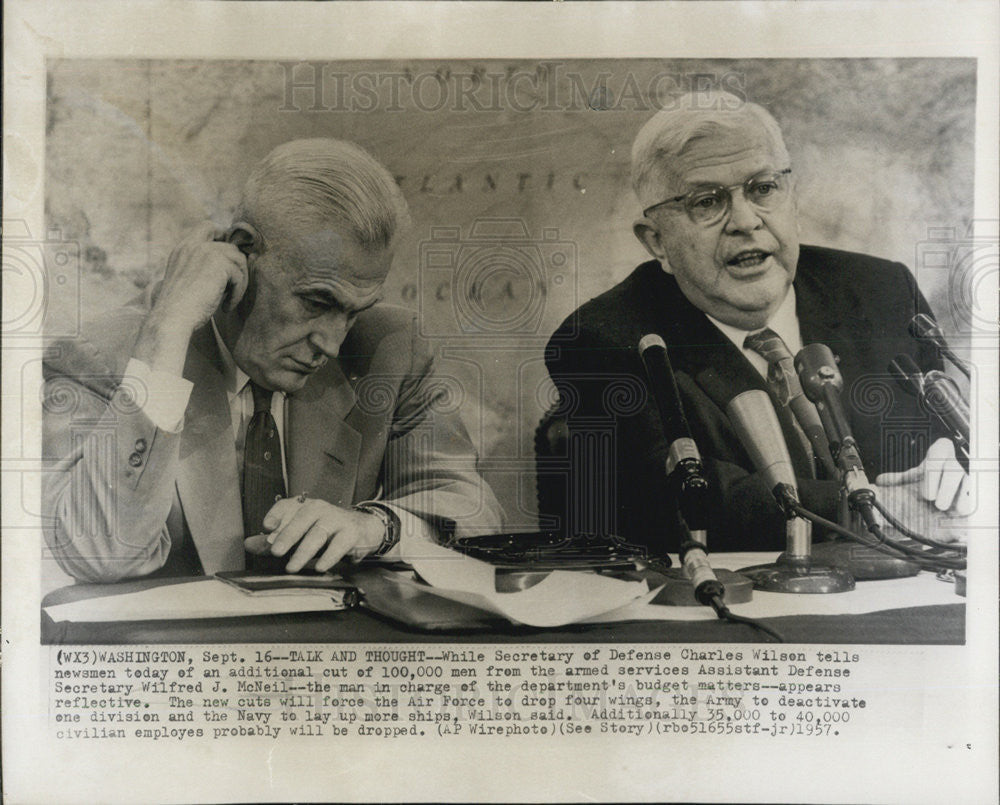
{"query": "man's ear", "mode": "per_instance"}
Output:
(240, 296)
(245, 237)
(649, 236)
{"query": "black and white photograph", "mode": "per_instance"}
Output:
(370, 402)
(468, 386)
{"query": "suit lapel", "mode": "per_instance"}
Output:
(321, 449)
(820, 318)
(838, 323)
(699, 348)
(826, 318)
(207, 484)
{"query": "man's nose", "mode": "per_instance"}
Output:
(328, 333)
(743, 216)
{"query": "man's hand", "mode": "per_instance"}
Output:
(316, 529)
(942, 479)
(201, 269)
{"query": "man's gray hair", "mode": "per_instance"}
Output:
(691, 117)
(318, 180)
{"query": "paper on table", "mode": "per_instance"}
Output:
(561, 597)
(208, 598)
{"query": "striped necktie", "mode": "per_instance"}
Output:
(786, 388)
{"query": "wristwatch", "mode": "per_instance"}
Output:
(390, 521)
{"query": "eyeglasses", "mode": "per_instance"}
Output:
(710, 204)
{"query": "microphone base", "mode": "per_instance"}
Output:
(865, 564)
(678, 591)
(799, 576)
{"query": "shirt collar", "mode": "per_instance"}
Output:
(784, 322)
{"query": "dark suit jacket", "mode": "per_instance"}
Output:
(122, 498)
(857, 305)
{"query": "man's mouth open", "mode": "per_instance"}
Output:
(751, 258)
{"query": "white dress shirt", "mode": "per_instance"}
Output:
(784, 322)
(240, 397)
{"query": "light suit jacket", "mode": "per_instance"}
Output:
(122, 498)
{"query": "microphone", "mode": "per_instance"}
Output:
(812, 425)
(686, 474)
(722, 383)
(907, 374)
(795, 571)
(822, 383)
(923, 328)
(684, 466)
(944, 399)
(941, 396)
(755, 422)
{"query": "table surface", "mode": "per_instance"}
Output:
(932, 625)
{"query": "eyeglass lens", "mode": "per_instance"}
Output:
(711, 204)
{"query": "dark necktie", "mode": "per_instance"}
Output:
(263, 483)
(783, 381)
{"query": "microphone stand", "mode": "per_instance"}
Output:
(795, 570)
(695, 582)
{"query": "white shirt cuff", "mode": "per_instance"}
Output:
(164, 396)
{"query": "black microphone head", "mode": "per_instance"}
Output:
(817, 368)
(923, 328)
(906, 372)
(944, 399)
(663, 386)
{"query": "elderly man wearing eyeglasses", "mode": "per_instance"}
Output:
(734, 296)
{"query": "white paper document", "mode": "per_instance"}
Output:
(561, 597)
